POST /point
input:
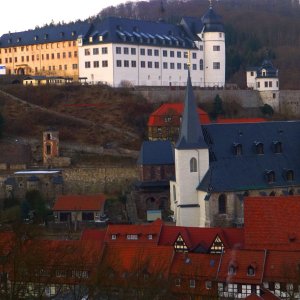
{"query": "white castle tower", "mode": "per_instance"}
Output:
(191, 164)
(213, 38)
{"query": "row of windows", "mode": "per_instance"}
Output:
(268, 84)
(233, 268)
(46, 56)
(132, 236)
(96, 64)
(54, 68)
(37, 47)
(104, 50)
(258, 148)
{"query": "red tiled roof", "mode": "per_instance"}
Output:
(272, 222)
(157, 118)
(93, 234)
(79, 203)
(204, 237)
(242, 259)
(143, 230)
(241, 120)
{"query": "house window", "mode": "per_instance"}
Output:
(237, 149)
(277, 147)
(87, 216)
(180, 245)
(251, 73)
(150, 236)
(119, 63)
(274, 96)
(126, 50)
(177, 282)
(87, 64)
(143, 64)
(216, 48)
(193, 164)
(172, 66)
(118, 50)
(133, 51)
(251, 271)
(172, 54)
(142, 51)
(174, 192)
(222, 204)
(95, 51)
(104, 64)
(165, 53)
(113, 236)
(133, 64)
(178, 54)
(178, 66)
(201, 64)
(165, 65)
(232, 269)
(270, 83)
(104, 50)
(96, 64)
(271, 176)
(216, 65)
(192, 283)
(156, 65)
(259, 148)
(289, 175)
(126, 63)
(48, 149)
(194, 55)
(194, 67)
(149, 64)
(156, 52)
(266, 84)
(258, 84)
(149, 52)
(86, 52)
(132, 237)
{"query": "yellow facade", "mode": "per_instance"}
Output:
(49, 59)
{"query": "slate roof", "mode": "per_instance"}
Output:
(271, 71)
(156, 153)
(79, 203)
(248, 171)
(191, 135)
(50, 34)
(132, 31)
(212, 22)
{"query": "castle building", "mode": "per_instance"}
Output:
(217, 165)
(128, 52)
(264, 79)
(122, 52)
(51, 51)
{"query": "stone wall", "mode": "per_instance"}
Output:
(94, 180)
(290, 103)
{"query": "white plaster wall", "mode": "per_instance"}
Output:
(262, 81)
(188, 217)
(251, 79)
(149, 76)
(214, 77)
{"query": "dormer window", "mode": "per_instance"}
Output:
(289, 174)
(150, 236)
(168, 119)
(46, 36)
(132, 237)
(36, 38)
(264, 73)
(90, 39)
(259, 148)
(62, 34)
(251, 270)
(217, 246)
(113, 236)
(270, 176)
(18, 40)
(180, 245)
(73, 33)
(277, 147)
(237, 149)
(232, 268)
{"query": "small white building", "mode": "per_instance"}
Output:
(127, 52)
(264, 79)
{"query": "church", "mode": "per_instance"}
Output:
(218, 165)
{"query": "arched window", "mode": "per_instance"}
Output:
(251, 271)
(222, 204)
(232, 268)
(289, 175)
(259, 148)
(193, 164)
(271, 176)
(237, 149)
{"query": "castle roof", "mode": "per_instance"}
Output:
(48, 34)
(191, 135)
(212, 22)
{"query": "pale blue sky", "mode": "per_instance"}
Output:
(20, 15)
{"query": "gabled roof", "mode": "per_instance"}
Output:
(212, 22)
(248, 171)
(175, 110)
(241, 260)
(79, 203)
(191, 135)
(49, 34)
(201, 239)
(272, 222)
(156, 153)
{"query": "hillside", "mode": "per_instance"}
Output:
(95, 115)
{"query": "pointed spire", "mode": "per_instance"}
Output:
(191, 135)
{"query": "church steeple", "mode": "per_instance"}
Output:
(191, 135)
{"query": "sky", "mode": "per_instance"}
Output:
(21, 15)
